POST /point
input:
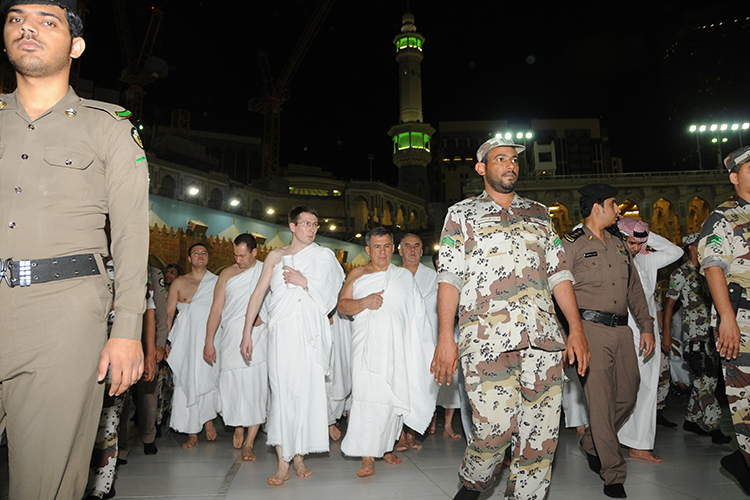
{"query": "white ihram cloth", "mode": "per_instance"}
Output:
(426, 279)
(243, 385)
(574, 400)
(299, 352)
(196, 383)
(639, 430)
(339, 378)
(392, 349)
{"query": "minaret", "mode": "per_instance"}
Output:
(411, 137)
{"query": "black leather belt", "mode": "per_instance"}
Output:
(607, 319)
(28, 272)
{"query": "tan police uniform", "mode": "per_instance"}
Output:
(606, 281)
(60, 175)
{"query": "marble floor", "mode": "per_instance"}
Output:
(215, 470)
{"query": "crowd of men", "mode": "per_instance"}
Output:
(292, 343)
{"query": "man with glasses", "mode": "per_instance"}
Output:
(196, 383)
(304, 281)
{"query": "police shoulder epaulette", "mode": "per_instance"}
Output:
(574, 235)
(114, 110)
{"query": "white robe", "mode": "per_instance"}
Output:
(299, 352)
(392, 349)
(196, 383)
(639, 430)
(426, 279)
(339, 378)
(243, 385)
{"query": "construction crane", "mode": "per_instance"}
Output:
(276, 92)
(144, 69)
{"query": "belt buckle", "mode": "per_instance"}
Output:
(6, 272)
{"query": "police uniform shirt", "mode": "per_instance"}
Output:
(60, 175)
(504, 262)
(601, 276)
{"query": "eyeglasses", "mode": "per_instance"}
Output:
(307, 223)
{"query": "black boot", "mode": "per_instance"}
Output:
(594, 463)
(466, 494)
(693, 427)
(735, 464)
(718, 437)
(662, 420)
(615, 490)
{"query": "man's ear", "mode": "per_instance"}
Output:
(77, 46)
(481, 168)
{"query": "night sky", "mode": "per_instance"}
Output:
(483, 61)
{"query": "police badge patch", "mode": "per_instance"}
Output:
(136, 137)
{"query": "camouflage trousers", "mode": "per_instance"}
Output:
(737, 382)
(703, 408)
(104, 456)
(166, 389)
(664, 379)
(515, 399)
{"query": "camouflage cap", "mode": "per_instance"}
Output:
(599, 191)
(69, 5)
(737, 157)
(497, 142)
(690, 239)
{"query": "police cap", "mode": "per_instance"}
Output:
(737, 157)
(69, 5)
(598, 191)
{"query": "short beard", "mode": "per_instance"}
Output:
(35, 68)
(503, 187)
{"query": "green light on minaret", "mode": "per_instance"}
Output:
(413, 140)
(408, 42)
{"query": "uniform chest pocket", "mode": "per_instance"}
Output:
(67, 172)
(592, 271)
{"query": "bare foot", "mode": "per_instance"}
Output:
(281, 475)
(239, 437)
(210, 430)
(646, 455)
(300, 468)
(580, 431)
(391, 459)
(431, 428)
(412, 442)
(334, 432)
(449, 432)
(247, 451)
(191, 442)
(368, 467)
(402, 445)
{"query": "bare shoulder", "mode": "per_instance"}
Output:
(274, 257)
(228, 272)
(355, 273)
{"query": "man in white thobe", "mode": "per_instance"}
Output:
(650, 253)
(243, 385)
(304, 279)
(392, 346)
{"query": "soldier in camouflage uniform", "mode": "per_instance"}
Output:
(723, 253)
(500, 259)
(688, 286)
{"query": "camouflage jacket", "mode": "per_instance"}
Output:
(724, 241)
(504, 264)
(690, 289)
